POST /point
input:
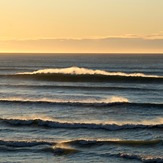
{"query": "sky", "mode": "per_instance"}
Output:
(81, 26)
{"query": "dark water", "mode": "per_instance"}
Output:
(85, 108)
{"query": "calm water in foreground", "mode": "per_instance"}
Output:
(82, 109)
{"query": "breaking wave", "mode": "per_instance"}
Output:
(112, 126)
(105, 102)
(77, 74)
(92, 102)
(84, 71)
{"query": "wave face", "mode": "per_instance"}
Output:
(112, 126)
(77, 74)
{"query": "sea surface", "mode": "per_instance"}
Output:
(81, 108)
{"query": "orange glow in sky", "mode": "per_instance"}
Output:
(81, 26)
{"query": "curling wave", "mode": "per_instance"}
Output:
(77, 74)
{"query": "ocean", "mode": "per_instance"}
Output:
(81, 108)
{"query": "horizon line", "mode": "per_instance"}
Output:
(109, 53)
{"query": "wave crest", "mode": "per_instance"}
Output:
(76, 74)
(112, 126)
(86, 102)
(84, 71)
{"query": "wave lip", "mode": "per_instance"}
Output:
(78, 125)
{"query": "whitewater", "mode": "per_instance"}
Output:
(83, 71)
(82, 109)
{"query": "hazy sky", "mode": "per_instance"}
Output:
(75, 25)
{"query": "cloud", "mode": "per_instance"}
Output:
(123, 44)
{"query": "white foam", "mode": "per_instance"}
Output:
(107, 100)
(84, 71)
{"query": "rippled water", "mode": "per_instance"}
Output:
(84, 108)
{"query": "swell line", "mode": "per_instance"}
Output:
(36, 146)
(68, 147)
(114, 101)
(80, 142)
(79, 125)
(99, 142)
